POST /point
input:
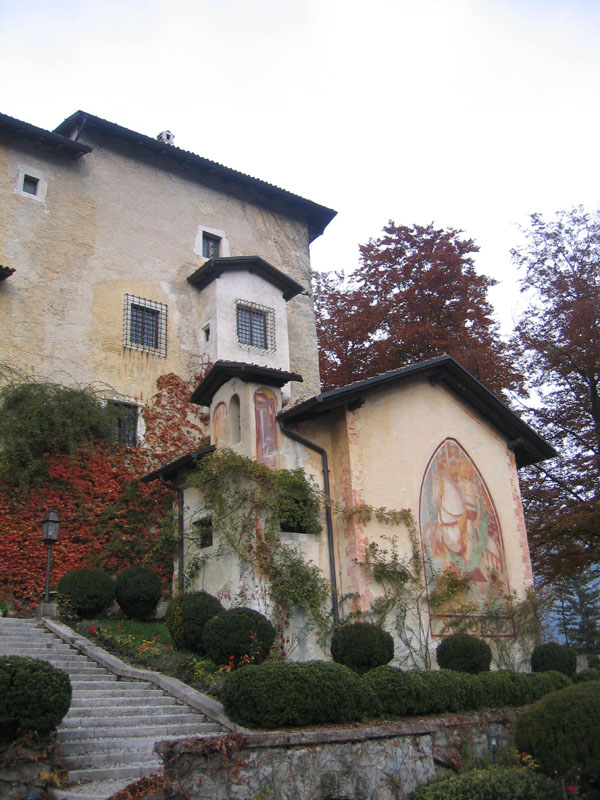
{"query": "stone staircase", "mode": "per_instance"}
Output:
(108, 736)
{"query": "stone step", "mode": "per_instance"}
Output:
(98, 790)
(129, 771)
(118, 689)
(116, 745)
(145, 711)
(162, 731)
(108, 736)
(142, 709)
(134, 700)
(116, 721)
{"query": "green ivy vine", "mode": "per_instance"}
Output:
(250, 504)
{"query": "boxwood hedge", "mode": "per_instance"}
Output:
(34, 696)
(276, 694)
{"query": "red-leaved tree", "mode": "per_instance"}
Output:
(559, 336)
(415, 295)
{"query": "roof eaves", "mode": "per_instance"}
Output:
(187, 461)
(6, 272)
(48, 139)
(214, 268)
(317, 216)
(528, 446)
(222, 371)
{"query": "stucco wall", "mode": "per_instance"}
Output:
(379, 454)
(115, 222)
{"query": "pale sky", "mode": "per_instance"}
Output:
(468, 113)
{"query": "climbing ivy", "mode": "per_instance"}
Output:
(248, 502)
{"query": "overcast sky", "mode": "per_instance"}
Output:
(468, 113)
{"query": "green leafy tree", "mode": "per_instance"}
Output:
(558, 338)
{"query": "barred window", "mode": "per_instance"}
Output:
(255, 326)
(211, 245)
(145, 325)
(126, 423)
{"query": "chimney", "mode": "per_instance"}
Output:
(166, 136)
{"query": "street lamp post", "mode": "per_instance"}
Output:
(50, 529)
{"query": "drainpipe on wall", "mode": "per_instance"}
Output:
(328, 521)
(179, 491)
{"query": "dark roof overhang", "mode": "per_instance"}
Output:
(317, 217)
(215, 267)
(528, 446)
(48, 140)
(223, 371)
(6, 272)
(170, 470)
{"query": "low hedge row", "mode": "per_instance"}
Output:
(499, 783)
(276, 695)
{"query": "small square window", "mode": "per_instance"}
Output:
(145, 325)
(126, 423)
(255, 326)
(203, 531)
(211, 245)
(30, 184)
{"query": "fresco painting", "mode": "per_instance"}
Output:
(220, 425)
(459, 525)
(265, 408)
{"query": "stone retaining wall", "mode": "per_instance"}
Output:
(384, 762)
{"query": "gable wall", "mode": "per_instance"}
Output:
(379, 454)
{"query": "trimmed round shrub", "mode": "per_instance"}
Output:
(562, 732)
(187, 615)
(362, 646)
(237, 633)
(587, 675)
(276, 694)
(414, 692)
(137, 592)
(545, 682)
(464, 653)
(554, 656)
(89, 591)
(34, 696)
(498, 783)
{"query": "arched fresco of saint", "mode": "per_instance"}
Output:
(459, 524)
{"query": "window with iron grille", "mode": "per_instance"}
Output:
(255, 326)
(126, 423)
(211, 245)
(145, 325)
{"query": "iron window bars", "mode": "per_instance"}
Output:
(145, 325)
(255, 326)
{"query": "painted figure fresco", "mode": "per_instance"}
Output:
(220, 425)
(265, 408)
(459, 524)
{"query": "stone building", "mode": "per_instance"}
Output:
(429, 439)
(107, 239)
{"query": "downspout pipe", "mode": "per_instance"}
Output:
(328, 520)
(180, 555)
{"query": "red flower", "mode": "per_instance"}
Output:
(93, 629)
(570, 788)
(120, 628)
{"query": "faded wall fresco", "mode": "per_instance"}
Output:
(459, 524)
(220, 425)
(265, 409)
